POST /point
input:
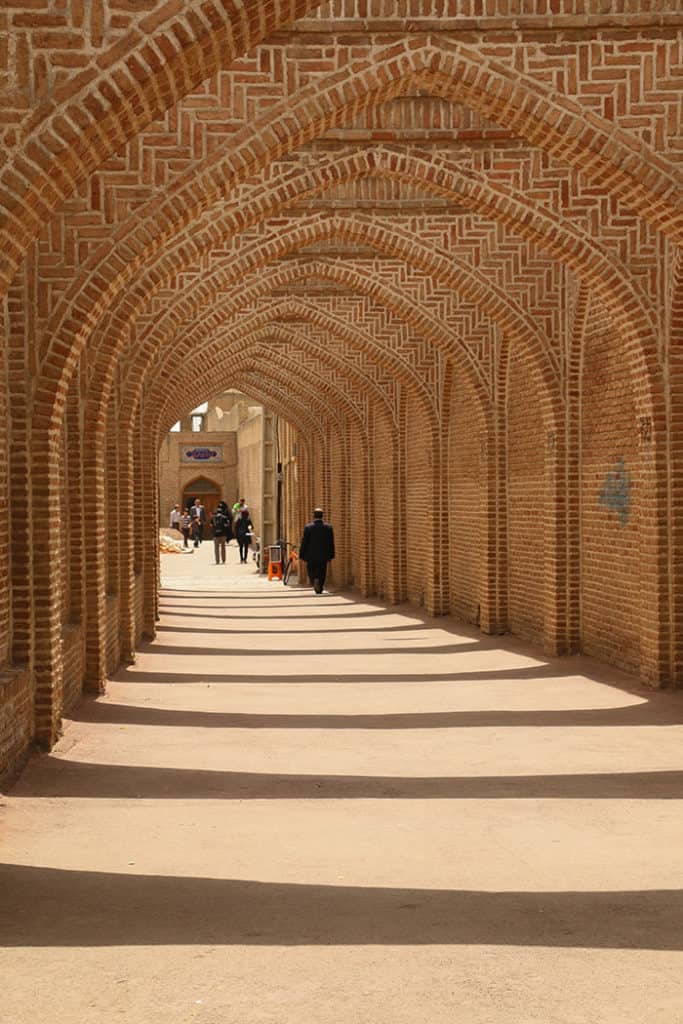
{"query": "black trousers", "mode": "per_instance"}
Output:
(244, 547)
(317, 571)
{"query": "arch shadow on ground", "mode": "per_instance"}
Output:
(86, 909)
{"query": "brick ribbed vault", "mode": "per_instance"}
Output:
(69, 133)
(445, 255)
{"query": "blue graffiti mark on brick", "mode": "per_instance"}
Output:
(616, 493)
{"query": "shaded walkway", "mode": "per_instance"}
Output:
(295, 808)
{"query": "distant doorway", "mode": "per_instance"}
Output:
(209, 494)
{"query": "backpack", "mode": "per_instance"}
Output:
(220, 524)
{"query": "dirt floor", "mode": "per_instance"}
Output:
(322, 810)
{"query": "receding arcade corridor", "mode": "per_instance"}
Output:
(415, 266)
(317, 809)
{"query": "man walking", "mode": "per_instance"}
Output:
(317, 549)
(198, 520)
(222, 531)
(175, 517)
(186, 526)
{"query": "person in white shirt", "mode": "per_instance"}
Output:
(198, 513)
(176, 515)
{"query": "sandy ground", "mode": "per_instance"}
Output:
(315, 809)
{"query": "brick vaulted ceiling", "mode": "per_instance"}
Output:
(476, 169)
(469, 175)
(333, 205)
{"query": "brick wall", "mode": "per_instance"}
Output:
(610, 499)
(5, 428)
(112, 640)
(338, 507)
(526, 501)
(175, 476)
(250, 466)
(465, 500)
(416, 513)
(360, 533)
(16, 720)
(73, 649)
(390, 548)
(139, 598)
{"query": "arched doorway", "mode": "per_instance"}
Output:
(210, 494)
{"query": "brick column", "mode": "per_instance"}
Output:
(397, 570)
(436, 593)
(47, 452)
(556, 539)
(20, 365)
(326, 469)
(658, 573)
(573, 470)
(127, 590)
(94, 492)
(493, 605)
(75, 520)
(676, 442)
(559, 409)
(112, 495)
(343, 515)
(5, 434)
(361, 459)
(147, 497)
(305, 489)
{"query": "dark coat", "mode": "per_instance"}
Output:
(224, 529)
(317, 543)
(242, 527)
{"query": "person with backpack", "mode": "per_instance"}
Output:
(243, 531)
(221, 521)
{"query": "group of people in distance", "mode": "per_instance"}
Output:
(225, 522)
(316, 548)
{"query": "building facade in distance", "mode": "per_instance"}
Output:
(214, 453)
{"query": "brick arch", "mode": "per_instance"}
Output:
(555, 235)
(202, 479)
(259, 327)
(258, 285)
(160, 419)
(250, 374)
(91, 116)
(281, 372)
(462, 74)
(263, 334)
(561, 240)
(631, 309)
(51, 391)
(370, 287)
(485, 547)
(602, 153)
(263, 356)
(267, 318)
(298, 405)
(398, 244)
